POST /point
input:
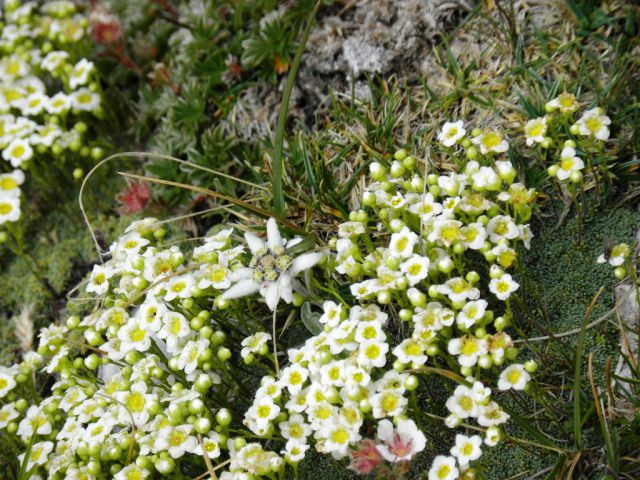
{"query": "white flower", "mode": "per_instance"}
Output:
(34, 104)
(10, 183)
(38, 454)
(402, 443)
(132, 472)
(443, 468)
(565, 102)
(7, 382)
(179, 287)
(535, 129)
(491, 141)
(468, 348)
(467, 449)
(8, 412)
(99, 281)
(295, 428)
(134, 335)
(458, 290)
(471, 313)
(410, 351)
(569, 163)
(388, 403)
(503, 287)
(451, 133)
(54, 60)
(402, 243)
(272, 269)
(211, 445)
(332, 314)
(514, 377)
(80, 73)
(293, 378)
(415, 268)
(176, 440)
(594, 123)
(502, 227)
(85, 100)
(174, 328)
(188, 359)
(17, 152)
(372, 354)
(491, 414)
(294, 451)
(59, 103)
(35, 421)
(617, 256)
(9, 209)
(256, 343)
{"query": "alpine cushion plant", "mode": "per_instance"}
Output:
(148, 380)
(49, 98)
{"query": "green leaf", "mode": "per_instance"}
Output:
(311, 319)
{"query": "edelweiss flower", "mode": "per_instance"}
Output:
(402, 443)
(271, 270)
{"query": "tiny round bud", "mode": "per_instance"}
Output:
(78, 173)
(620, 273)
(202, 425)
(576, 177)
(574, 129)
(73, 322)
(409, 163)
(405, 314)
(365, 406)
(401, 154)
(471, 153)
(223, 354)
(466, 142)
(485, 361)
(384, 297)
(397, 170)
(476, 132)
(553, 170)
(411, 383)
(570, 143)
(472, 277)
(531, 366)
(223, 417)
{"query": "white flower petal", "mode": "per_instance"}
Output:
(241, 289)
(255, 243)
(304, 262)
(274, 240)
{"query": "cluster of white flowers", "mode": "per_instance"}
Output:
(593, 125)
(39, 48)
(408, 257)
(140, 369)
(149, 380)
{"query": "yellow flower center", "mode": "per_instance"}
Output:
(5, 208)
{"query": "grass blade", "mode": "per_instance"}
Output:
(278, 194)
(577, 390)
